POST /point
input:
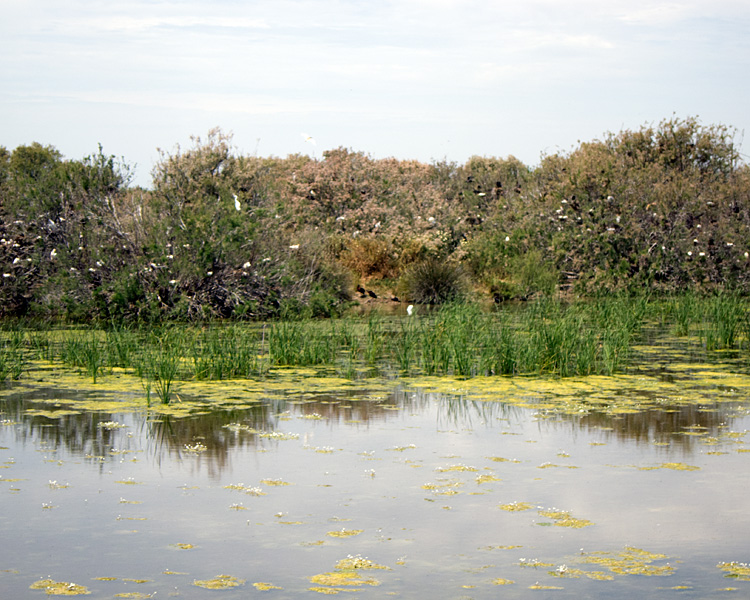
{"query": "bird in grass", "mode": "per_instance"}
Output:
(410, 310)
(237, 204)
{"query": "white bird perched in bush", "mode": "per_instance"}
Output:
(410, 309)
(237, 204)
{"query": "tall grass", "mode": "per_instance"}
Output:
(547, 336)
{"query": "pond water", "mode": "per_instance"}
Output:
(630, 486)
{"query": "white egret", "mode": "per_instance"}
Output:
(410, 309)
(309, 138)
(237, 204)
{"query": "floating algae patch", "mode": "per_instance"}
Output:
(501, 581)
(516, 506)
(220, 582)
(264, 587)
(462, 468)
(563, 518)
(631, 561)
(59, 588)
(735, 570)
(674, 466)
(345, 533)
(487, 478)
(357, 562)
(346, 576)
(182, 546)
(274, 482)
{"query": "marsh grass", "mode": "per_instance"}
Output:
(721, 321)
(457, 339)
(161, 360)
(12, 357)
(84, 349)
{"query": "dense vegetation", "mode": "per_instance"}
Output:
(665, 208)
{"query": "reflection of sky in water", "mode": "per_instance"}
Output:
(359, 464)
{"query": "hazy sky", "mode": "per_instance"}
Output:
(423, 79)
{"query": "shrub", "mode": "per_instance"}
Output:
(434, 281)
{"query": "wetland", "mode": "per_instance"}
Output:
(363, 476)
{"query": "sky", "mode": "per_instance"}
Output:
(429, 80)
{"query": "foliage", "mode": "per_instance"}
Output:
(664, 208)
(434, 281)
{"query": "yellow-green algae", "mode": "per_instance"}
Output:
(220, 582)
(735, 570)
(346, 575)
(563, 518)
(59, 588)
(344, 533)
(631, 561)
(674, 466)
(264, 587)
(501, 581)
(516, 506)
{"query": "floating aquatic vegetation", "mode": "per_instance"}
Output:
(312, 416)
(249, 490)
(486, 478)
(129, 481)
(335, 580)
(138, 595)
(501, 581)
(458, 467)
(344, 533)
(674, 466)
(357, 562)
(237, 506)
(59, 588)
(104, 578)
(264, 587)
(501, 459)
(735, 570)
(123, 501)
(516, 506)
(549, 465)
(220, 582)
(53, 485)
(110, 425)
(196, 448)
(401, 448)
(563, 518)
(274, 482)
(182, 546)
(631, 561)
(538, 586)
(534, 563)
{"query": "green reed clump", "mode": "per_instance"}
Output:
(685, 311)
(226, 352)
(302, 343)
(725, 318)
(160, 361)
(12, 357)
(84, 349)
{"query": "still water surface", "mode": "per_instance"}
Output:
(629, 487)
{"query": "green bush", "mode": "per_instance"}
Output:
(434, 281)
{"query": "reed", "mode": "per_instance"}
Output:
(83, 349)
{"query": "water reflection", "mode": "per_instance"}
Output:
(213, 435)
